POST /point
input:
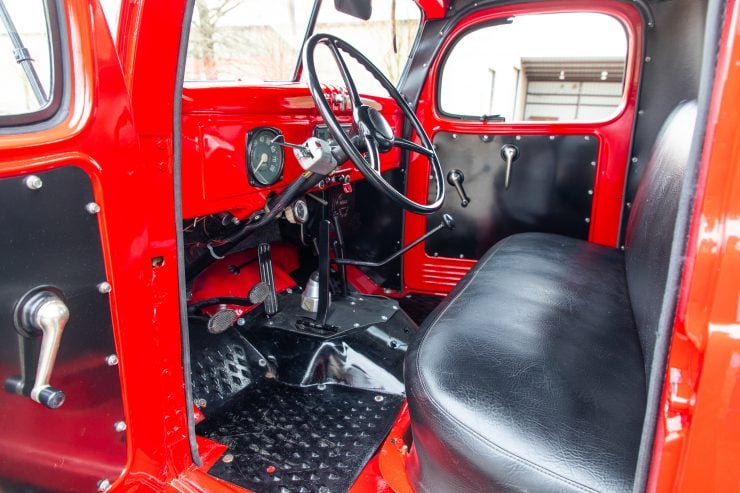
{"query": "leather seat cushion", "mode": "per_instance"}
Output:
(531, 378)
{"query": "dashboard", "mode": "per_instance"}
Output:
(231, 157)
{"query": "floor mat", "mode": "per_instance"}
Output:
(288, 439)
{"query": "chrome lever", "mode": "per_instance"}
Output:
(456, 178)
(41, 312)
(509, 153)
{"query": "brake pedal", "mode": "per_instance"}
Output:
(264, 259)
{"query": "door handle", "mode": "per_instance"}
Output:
(456, 178)
(509, 153)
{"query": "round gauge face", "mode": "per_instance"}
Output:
(264, 157)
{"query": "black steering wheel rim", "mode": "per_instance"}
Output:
(370, 124)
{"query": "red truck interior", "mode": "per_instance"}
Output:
(415, 301)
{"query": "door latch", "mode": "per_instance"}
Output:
(509, 153)
(40, 312)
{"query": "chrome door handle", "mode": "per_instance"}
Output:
(509, 153)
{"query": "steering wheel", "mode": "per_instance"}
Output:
(374, 131)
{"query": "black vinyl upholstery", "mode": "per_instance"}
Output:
(531, 375)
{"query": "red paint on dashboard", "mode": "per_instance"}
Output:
(215, 123)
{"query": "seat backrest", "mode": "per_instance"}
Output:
(651, 223)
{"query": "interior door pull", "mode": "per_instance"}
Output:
(456, 178)
(509, 153)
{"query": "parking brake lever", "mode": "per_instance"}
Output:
(39, 312)
(456, 178)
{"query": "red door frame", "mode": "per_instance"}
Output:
(425, 273)
(697, 444)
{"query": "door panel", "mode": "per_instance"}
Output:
(551, 189)
(56, 245)
(70, 227)
(570, 174)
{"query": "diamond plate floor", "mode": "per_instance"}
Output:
(288, 439)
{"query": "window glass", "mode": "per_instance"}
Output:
(537, 67)
(246, 40)
(257, 41)
(385, 39)
(26, 85)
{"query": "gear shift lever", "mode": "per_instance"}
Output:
(39, 312)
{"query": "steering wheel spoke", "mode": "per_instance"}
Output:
(374, 131)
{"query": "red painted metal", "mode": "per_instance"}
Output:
(130, 163)
(386, 472)
(697, 447)
(216, 120)
(222, 280)
(98, 134)
(424, 273)
(434, 9)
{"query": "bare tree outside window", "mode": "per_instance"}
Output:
(254, 41)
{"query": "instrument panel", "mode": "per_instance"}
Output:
(231, 160)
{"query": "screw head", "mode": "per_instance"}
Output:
(104, 485)
(379, 398)
(33, 182)
(201, 403)
(240, 322)
(92, 208)
(355, 325)
(104, 287)
(383, 318)
(111, 360)
(227, 459)
(120, 426)
(262, 362)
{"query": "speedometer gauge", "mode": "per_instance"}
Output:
(264, 157)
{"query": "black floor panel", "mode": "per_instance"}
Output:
(220, 367)
(418, 306)
(291, 439)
